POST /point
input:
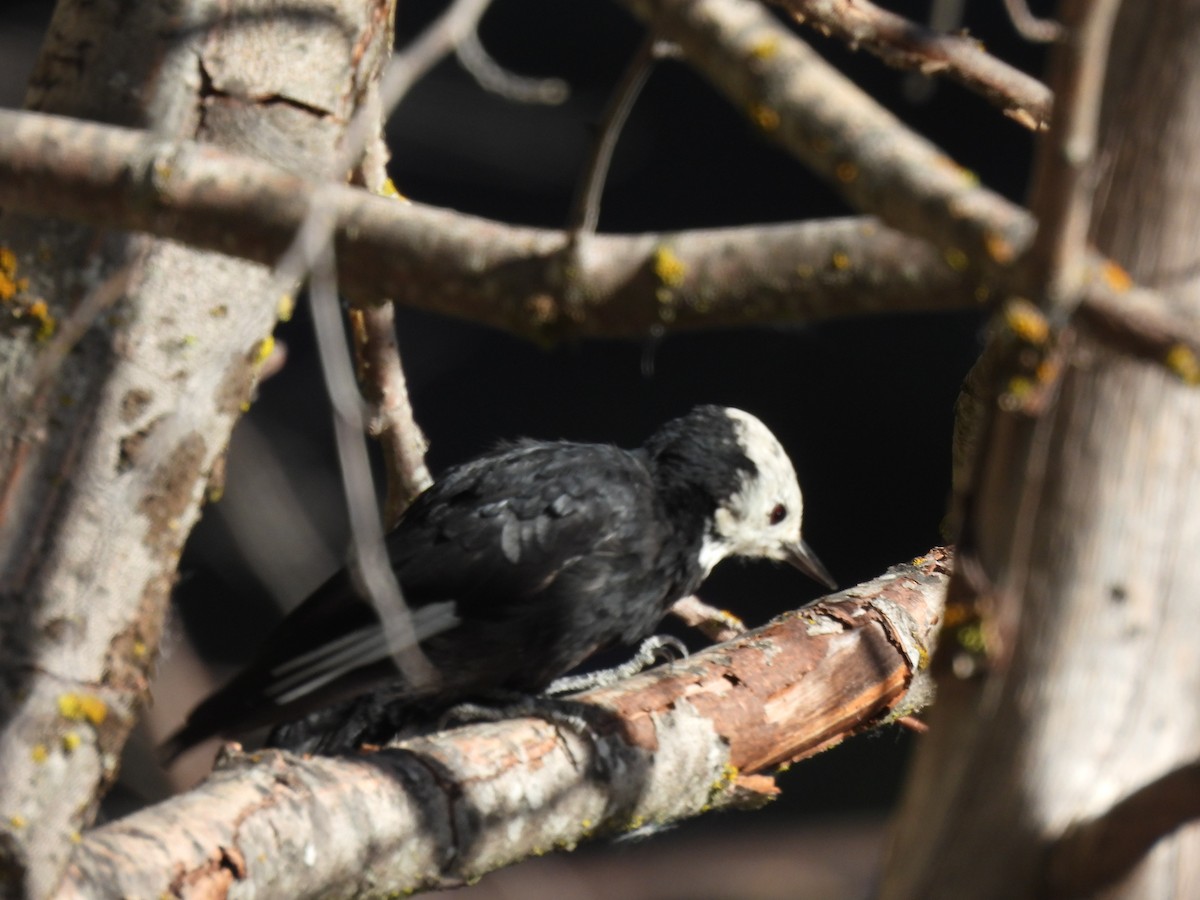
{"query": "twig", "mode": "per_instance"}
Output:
(504, 276)
(685, 738)
(875, 162)
(1064, 174)
(312, 252)
(1096, 853)
(1029, 26)
(905, 44)
(585, 208)
(381, 377)
(369, 558)
(493, 77)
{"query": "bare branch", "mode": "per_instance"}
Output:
(685, 738)
(491, 76)
(369, 557)
(507, 277)
(381, 377)
(821, 117)
(585, 208)
(1065, 178)
(1029, 26)
(1094, 854)
(905, 44)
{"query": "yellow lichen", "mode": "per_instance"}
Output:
(8, 287)
(1183, 362)
(970, 638)
(1116, 277)
(390, 191)
(766, 118)
(16, 821)
(263, 349)
(46, 322)
(71, 741)
(956, 259)
(766, 48)
(668, 267)
(82, 707)
(39, 753)
(999, 248)
(285, 307)
(1026, 321)
(841, 260)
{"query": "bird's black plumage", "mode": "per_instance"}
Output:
(516, 567)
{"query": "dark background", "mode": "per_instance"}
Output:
(863, 405)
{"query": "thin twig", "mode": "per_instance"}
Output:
(313, 247)
(905, 44)
(585, 208)
(493, 77)
(381, 376)
(1064, 175)
(1029, 26)
(369, 557)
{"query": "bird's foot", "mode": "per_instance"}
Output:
(654, 649)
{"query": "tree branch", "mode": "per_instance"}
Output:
(802, 102)
(905, 44)
(508, 277)
(1065, 178)
(668, 744)
(1096, 853)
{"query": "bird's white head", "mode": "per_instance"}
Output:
(762, 517)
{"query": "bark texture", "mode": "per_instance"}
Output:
(1078, 566)
(124, 362)
(696, 735)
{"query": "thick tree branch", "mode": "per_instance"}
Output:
(905, 44)
(668, 744)
(504, 276)
(816, 113)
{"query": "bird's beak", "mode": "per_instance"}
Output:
(800, 555)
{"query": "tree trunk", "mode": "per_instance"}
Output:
(1080, 558)
(124, 362)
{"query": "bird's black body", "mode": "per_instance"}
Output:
(516, 566)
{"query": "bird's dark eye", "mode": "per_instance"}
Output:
(778, 514)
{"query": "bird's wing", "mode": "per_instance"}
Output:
(491, 537)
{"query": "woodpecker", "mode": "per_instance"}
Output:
(519, 565)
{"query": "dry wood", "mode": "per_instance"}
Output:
(530, 281)
(691, 736)
(905, 44)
